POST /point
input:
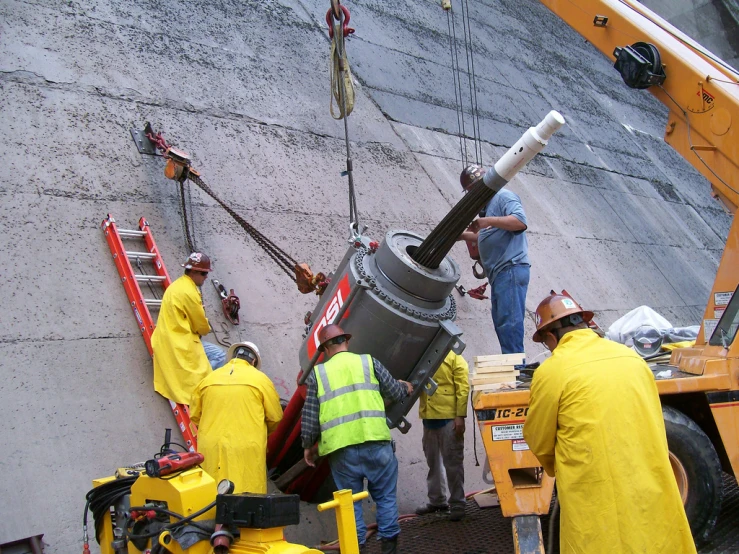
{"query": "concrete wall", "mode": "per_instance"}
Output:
(713, 23)
(616, 217)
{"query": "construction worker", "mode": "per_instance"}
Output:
(235, 408)
(443, 416)
(504, 255)
(344, 412)
(595, 423)
(180, 358)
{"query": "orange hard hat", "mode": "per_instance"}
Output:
(470, 175)
(555, 307)
(331, 332)
(198, 261)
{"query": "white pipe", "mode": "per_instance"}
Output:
(529, 145)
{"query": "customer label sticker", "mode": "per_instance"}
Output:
(508, 432)
(722, 298)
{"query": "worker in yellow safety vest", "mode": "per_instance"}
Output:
(344, 411)
(235, 407)
(595, 423)
(180, 358)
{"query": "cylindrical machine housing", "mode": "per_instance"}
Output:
(403, 318)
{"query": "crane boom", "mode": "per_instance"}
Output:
(699, 89)
(701, 93)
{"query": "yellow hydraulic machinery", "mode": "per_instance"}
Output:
(181, 510)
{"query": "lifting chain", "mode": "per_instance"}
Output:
(284, 260)
(178, 168)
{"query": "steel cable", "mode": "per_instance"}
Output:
(473, 89)
(467, 47)
(460, 116)
(458, 83)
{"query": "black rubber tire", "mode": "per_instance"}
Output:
(692, 447)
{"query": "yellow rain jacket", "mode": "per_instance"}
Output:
(451, 396)
(235, 407)
(180, 362)
(595, 422)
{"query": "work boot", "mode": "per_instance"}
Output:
(430, 509)
(389, 546)
(457, 513)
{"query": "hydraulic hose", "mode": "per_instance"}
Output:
(100, 499)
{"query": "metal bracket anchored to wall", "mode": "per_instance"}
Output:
(141, 139)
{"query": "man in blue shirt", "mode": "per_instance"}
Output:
(501, 238)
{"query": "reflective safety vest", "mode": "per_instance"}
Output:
(351, 408)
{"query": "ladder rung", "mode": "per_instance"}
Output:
(142, 255)
(128, 233)
(144, 278)
(152, 302)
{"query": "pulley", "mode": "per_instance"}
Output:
(640, 65)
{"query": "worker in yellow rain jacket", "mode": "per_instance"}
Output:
(180, 360)
(595, 423)
(235, 407)
(443, 415)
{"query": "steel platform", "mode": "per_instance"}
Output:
(486, 531)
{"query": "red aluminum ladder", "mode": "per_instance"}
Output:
(139, 304)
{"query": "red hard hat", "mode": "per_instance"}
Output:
(198, 261)
(470, 175)
(331, 332)
(555, 307)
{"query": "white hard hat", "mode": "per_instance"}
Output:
(251, 348)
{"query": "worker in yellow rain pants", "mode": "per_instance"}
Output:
(235, 408)
(595, 423)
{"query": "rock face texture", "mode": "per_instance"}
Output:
(615, 216)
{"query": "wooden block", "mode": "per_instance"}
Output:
(488, 378)
(502, 359)
(487, 499)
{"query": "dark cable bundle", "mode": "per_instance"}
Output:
(100, 499)
(432, 251)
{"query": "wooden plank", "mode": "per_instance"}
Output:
(504, 359)
(493, 386)
(487, 499)
(494, 378)
(494, 369)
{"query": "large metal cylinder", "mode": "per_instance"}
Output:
(402, 313)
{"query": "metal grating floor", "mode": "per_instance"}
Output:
(488, 532)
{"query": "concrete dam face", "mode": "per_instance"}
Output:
(615, 216)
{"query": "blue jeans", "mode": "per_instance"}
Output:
(508, 300)
(376, 462)
(215, 354)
